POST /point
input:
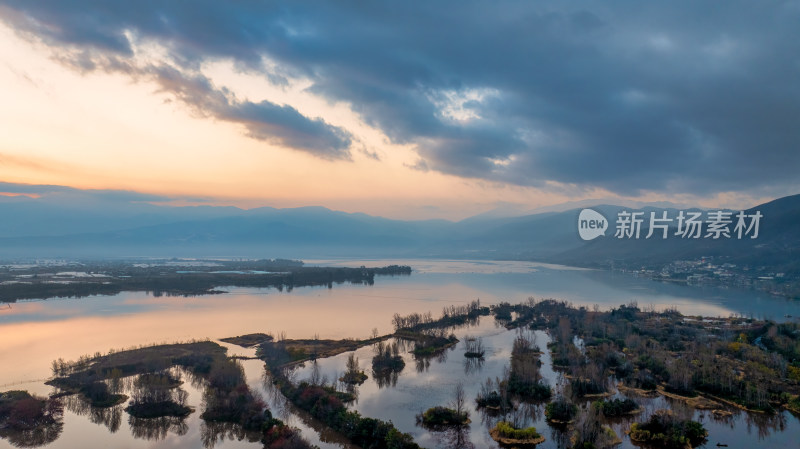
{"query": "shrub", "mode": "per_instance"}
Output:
(664, 430)
(442, 416)
(506, 430)
(560, 410)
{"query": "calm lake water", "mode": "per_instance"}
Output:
(33, 333)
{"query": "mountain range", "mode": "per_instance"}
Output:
(33, 228)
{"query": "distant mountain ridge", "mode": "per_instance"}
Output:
(144, 230)
(777, 245)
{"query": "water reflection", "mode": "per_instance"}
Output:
(765, 424)
(212, 433)
(110, 417)
(38, 436)
(473, 365)
(156, 429)
(560, 437)
(454, 438)
(423, 362)
(385, 378)
(34, 332)
(284, 410)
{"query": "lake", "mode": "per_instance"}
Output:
(33, 333)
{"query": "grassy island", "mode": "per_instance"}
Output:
(508, 435)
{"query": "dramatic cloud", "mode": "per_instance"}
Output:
(677, 97)
(263, 120)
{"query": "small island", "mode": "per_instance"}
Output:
(28, 420)
(560, 411)
(387, 359)
(508, 435)
(473, 347)
(441, 418)
(664, 430)
(354, 375)
(156, 395)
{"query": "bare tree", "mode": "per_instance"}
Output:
(459, 399)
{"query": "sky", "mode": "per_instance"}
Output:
(406, 110)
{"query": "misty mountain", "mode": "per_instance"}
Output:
(72, 211)
(44, 229)
(777, 246)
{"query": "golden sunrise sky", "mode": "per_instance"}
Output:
(67, 123)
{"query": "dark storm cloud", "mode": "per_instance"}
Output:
(263, 120)
(681, 96)
(97, 36)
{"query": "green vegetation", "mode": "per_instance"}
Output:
(588, 432)
(508, 435)
(436, 417)
(428, 343)
(664, 430)
(494, 396)
(325, 404)
(440, 417)
(387, 359)
(748, 362)
(560, 411)
(506, 430)
(524, 379)
(745, 361)
(353, 375)
(229, 399)
(793, 404)
(280, 436)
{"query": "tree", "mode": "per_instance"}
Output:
(459, 398)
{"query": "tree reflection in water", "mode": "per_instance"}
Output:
(473, 364)
(156, 429)
(560, 436)
(423, 362)
(386, 378)
(38, 436)
(453, 438)
(110, 417)
(212, 433)
(30, 421)
(765, 423)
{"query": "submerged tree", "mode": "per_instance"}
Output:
(474, 347)
(353, 375)
(158, 394)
